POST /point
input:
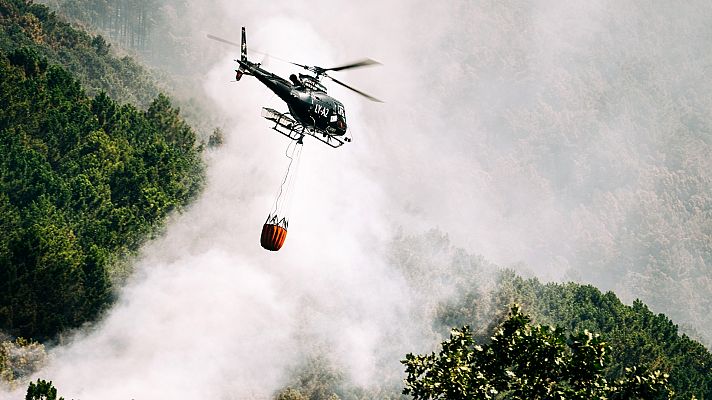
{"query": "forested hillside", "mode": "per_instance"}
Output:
(458, 289)
(34, 26)
(154, 32)
(128, 22)
(601, 159)
(522, 360)
(160, 32)
(85, 179)
(636, 336)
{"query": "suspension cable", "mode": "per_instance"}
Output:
(286, 175)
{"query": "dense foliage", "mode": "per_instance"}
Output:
(42, 390)
(18, 359)
(635, 335)
(161, 32)
(456, 290)
(525, 361)
(28, 25)
(81, 181)
(129, 22)
(153, 31)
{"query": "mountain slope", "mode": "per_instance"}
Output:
(34, 26)
(85, 179)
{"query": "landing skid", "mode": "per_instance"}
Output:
(287, 126)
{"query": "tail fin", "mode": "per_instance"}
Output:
(243, 56)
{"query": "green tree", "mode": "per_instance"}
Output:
(42, 390)
(35, 30)
(18, 358)
(635, 336)
(216, 139)
(82, 182)
(525, 361)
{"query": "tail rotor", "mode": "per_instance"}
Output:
(243, 52)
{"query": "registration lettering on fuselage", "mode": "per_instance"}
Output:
(321, 110)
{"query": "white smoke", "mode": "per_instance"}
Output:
(208, 312)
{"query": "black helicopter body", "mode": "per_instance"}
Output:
(313, 110)
(307, 101)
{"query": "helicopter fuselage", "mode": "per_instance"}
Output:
(307, 102)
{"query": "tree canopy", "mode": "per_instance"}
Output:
(525, 361)
(82, 181)
(33, 26)
(42, 390)
(459, 289)
(635, 335)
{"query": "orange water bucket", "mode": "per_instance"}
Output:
(273, 234)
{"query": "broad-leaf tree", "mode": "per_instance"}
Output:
(525, 361)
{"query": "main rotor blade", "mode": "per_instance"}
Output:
(362, 63)
(299, 65)
(223, 40)
(357, 64)
(368, 96)
(219, 39)
(320, 70)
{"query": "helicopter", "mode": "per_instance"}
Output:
(311, 110)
